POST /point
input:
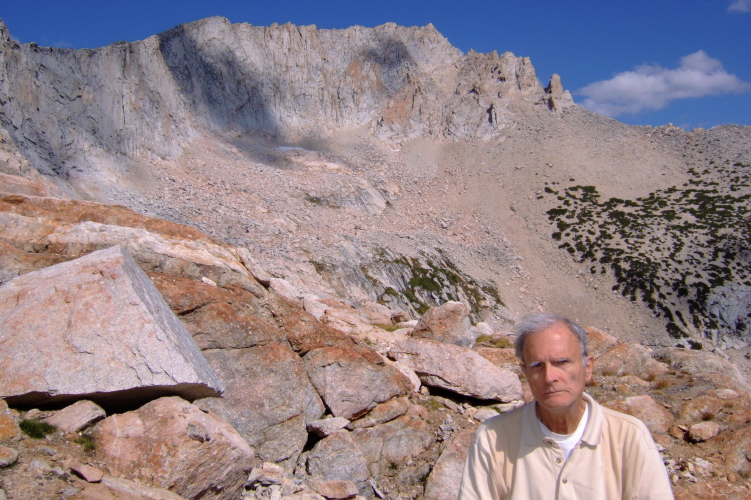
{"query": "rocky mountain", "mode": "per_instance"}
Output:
(263, 214)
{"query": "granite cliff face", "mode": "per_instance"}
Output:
(149, 98)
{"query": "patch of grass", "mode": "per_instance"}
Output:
(389, 327)
(36, 428)
(87, 442)
(502, 343)
(432, 404)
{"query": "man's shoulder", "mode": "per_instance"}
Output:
(504, 420)
(624, 424)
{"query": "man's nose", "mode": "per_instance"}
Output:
(551, 374)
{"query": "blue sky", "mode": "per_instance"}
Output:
(645, 62)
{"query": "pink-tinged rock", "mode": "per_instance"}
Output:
(737, 450)
(502, 358)
(393, 442)
(327, 426)
(117, 488)
(703, 407)
(170, 443)
(443, 482)
(599, 341)
(704, 365)
(8, 456)
(654, 415)
(629, 359)
(337, 490)
(351, 381)
(337, 457)
(447, 323)
(8, 427)
(382, 413)
(268, 399)
(95, 328)
(87, 472)
(704, 431)
(457, 369)
(77, 416)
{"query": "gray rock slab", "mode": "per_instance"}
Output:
(95, 328)
(457, 369)
(77, 416)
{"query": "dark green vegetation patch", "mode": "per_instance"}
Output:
(36, 429)
(674, 249)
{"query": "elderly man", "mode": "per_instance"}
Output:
(563, 444)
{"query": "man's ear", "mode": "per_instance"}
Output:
(589, 367)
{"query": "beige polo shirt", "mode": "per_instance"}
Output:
(510, 458)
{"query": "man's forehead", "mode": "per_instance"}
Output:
(557, 337)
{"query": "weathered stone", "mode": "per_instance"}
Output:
(337, 489)
(382, 413)
(408, 372)
(457, 369)
(253, 266)
(447, 323)
(502, 358)
(216, 317)
(629, 359)
(702, 407)
(393, 442)
(443, 482)
(327, 426)
(117, 488)
(654, 415)
(106, 334)
(483, 414)
(8, 427)
(599, 341)
(267, 474)
(77, 416)
(87, 472)
(312, 305)
(704, 365)
(8, 456)
(704, 431)
(170, 443)
(337, 457)
(554, 88)
(285, 289)
(268, 398)
(350, 380)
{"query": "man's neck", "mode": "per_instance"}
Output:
(564, 421)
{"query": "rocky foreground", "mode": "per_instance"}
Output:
(172, 366)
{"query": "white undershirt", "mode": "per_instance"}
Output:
(568, 442)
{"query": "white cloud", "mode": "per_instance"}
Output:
(652, 87)
(740, 6)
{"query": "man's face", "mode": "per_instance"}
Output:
(555, 369)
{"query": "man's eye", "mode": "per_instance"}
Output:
(560, 362)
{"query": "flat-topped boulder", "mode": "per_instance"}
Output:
(457, 369)
(95, 328)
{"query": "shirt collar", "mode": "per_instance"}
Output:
(532, 435)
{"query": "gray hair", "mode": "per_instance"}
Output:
(540, 322)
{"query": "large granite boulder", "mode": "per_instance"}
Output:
(170, 443)
(352, 380)
(269, 398)
(448, 323)
(443, 482)
(338, 458)
(457, 369)
(95, 328)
